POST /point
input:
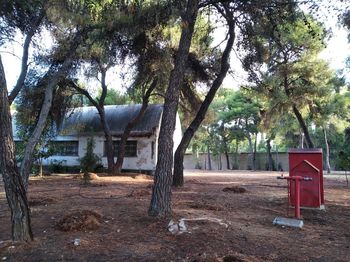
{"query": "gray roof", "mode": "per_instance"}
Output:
(86, 120)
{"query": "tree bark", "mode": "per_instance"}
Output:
(303, 126)
(271, 165)
(224, 140)
(254, 152)
(161, 195)
(228, 166)
(236, 155)
(251, 149)
(130, 126)
(328, 166)
(14, 188)
(109, 139)
(178, 179)
(209, 158)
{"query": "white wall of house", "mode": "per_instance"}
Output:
(146, 158)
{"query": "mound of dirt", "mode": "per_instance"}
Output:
(235, 189)
(90, 176)
(41, 201)
(80, 220)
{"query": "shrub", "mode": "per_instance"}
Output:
(90, 161)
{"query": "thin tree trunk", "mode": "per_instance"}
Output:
(328, 166)
(251, 150)
(24, 67)
(15, 191)
(51, 80)
(301, 139)
(236, 155)
(161, 195)
(101, 111)
(271, 165)
(130, 126)
(209, 158)
(224, 140)
(303, 126)
(191, 130)
(254, 152)
(228, 166)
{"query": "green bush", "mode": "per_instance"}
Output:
(90, 162)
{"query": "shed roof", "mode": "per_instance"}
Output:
(86, 120)
(307, 163)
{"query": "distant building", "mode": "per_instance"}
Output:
(84, 122)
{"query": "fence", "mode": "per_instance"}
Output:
(244, 161)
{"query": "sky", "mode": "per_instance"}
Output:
(337, 51)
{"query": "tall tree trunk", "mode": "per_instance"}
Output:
(251, 152)
(224, 141)
(161, 195)
(101, 111)
(328, 166)
(209, 158)
(109, 140)
(303, 126)
(50, 81)
(15, 191)
(301, 138)
(236, 155)
(178, 179)
(254, 152)
(228, 166)
(130, 126)
(271, 165)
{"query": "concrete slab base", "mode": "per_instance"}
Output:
(289, 222)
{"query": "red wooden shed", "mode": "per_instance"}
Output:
(307, 163)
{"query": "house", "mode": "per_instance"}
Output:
(83, 123)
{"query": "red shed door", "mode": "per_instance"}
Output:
(310, 193)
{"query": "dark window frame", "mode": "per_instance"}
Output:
(66, 148)
(130, 148)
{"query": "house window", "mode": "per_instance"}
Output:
(130, 148)
(66, 148)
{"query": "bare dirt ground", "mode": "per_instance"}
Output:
(122, 231)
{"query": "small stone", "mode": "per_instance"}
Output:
(173, 227)
(118, 230)
(3, 258)
(76, 242)
(182, 226)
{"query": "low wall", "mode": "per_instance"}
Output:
(244, 161)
